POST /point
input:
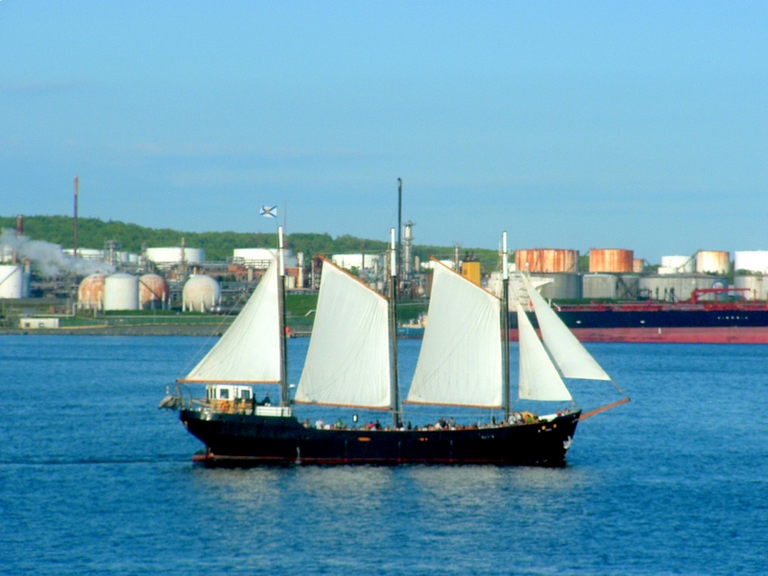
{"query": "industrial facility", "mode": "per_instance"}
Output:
(180, 278)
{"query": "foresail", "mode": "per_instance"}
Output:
(347, 362)
(460, 359)
(249, 351)
(569, 354)
(539, 379)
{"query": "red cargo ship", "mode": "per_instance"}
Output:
(692, 322)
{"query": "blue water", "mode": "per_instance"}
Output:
(94, 479)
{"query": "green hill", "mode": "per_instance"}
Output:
(94, 233)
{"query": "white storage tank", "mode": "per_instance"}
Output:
(349, 261)
(713, 262)
(561, 286)
(756, 285)
(90, 293)
(677, 265)
(259, 258)
(169, 256)
(201, 293)
(610, 286)
(121, 292)
(751, 261)
(11, 281)
(678, 287)
(153, 292)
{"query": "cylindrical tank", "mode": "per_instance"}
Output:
(560, 287)
(11, 282)
(153, 292)
(90, 293)
(638, 265)
(600, 286)
(610, 286)
(610, 260)
(677, 265)
(713, 262)
(756, 284)
(121, 292)
(751, 261)
(678, 287)
(201, 293)
(547, 260)
(175, 255)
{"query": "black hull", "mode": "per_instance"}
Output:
(248, 440)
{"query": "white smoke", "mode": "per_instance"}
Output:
(48, 259)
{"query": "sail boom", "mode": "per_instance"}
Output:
(305, 403)
(422, 403)
(207, 381)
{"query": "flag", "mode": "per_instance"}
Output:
(269, 211)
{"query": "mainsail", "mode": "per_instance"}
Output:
(347, 362)
(249, 351)
(569, 354)
(539, 379)
(460, 359)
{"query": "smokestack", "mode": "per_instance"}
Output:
(19, 225)
(74, 252)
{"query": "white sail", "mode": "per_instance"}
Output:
(539, 379)
(347, 362)
(460, 359)
(249, 351)
(569, 354)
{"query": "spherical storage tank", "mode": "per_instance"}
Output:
(751, 260)
(90, 293)
(610, 260)
(713, 262)
(201, 293)
(121, 292)
(153, 291)
(11, 281)
(547, 260)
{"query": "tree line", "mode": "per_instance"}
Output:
(95, 233)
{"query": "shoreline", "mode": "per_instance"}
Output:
(148, 330)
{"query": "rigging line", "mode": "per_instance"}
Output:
(617, 386)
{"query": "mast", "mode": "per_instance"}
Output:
(393, 375)
(284, 401)
(399, 219)
(505, 401)
(77, 185)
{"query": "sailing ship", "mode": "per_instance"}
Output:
(352, 362)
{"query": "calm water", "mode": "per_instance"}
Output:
(95, 479)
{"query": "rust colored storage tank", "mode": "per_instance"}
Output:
(547, 260)
(611, 260)
(153, 292)
(90, 293)
(713, 262)
(638, 264)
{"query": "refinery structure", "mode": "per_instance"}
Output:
(180, 278)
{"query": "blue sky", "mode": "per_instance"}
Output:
(639, 125)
